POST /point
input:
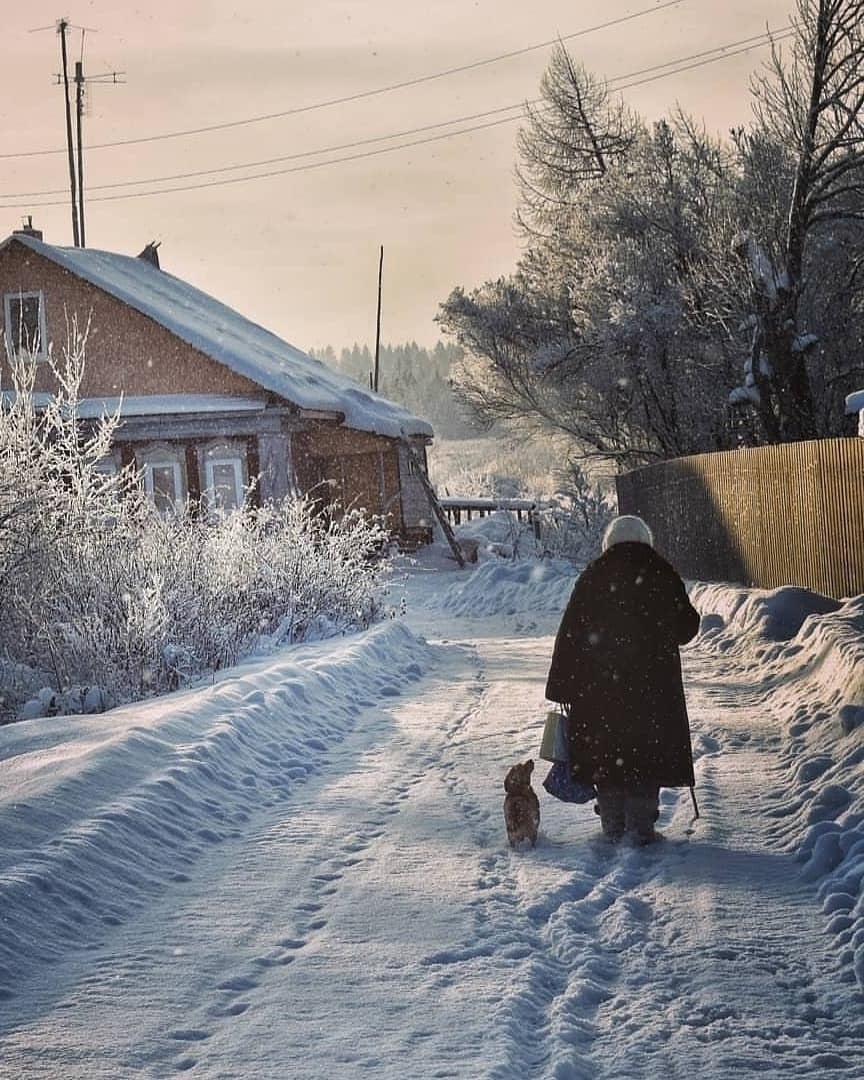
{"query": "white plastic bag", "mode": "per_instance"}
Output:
(553, 745)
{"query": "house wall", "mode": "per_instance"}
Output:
(127, 352)
(353, 469)
(130, 354)
(416, 512)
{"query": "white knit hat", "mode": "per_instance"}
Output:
(627, 529)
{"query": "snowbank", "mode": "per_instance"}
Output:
(807, 653)
(774, 614)
(97, 812)
(506, 580)
(501, 587)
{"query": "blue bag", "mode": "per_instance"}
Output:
(561, 785)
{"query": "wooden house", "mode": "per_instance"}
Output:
(208, 400)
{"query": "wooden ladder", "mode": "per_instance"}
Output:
(433, 502)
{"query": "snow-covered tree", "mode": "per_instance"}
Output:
(810, 103)
(54, 499)
(660, 261)
(601, 333)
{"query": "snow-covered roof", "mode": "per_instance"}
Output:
(231, 339)
(168, 405)
(153, 405)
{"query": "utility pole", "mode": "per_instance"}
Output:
(378, 322)
(79, 110)
(76, 173)
(62, 27)
(111, 76)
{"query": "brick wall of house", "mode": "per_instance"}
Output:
(127, 352)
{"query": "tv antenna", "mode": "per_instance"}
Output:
(76, 169)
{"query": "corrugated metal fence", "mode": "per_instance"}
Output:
(764, 516)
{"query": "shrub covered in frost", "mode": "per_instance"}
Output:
(103, 601)
(572, 526)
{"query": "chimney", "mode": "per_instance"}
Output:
(27, 229)
(150, 253)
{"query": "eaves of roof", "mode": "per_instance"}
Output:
(229, 338)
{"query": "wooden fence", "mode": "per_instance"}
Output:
(456, 507)
(764, 516)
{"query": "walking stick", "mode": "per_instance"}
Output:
(695, 804)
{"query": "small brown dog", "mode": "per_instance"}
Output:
(521, 806)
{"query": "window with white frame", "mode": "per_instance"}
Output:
(164, 471)
(25, 324)
(224, 484)
(224, 478)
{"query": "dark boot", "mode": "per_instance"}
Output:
(641, 810)
(610, 807)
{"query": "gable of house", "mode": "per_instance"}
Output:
(208, 399)
(128, 352)
(205, 325)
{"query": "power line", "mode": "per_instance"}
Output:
(637, 78)
(690, 63)
(297, 155)
(352, 157)
(719, 52)
(273, 173)
(363, 94)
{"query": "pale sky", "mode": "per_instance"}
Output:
(298, 250)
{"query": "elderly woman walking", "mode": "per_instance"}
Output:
(616, 668)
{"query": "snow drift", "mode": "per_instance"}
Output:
(806, 652)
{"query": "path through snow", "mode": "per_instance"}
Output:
(355, 910)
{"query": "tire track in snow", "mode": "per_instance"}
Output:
(335, 839)
(308, 915)
(532, 941)
(733, 973)
(600, 962)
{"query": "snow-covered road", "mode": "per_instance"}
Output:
(305, 905)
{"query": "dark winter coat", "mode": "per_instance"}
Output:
(616, 664)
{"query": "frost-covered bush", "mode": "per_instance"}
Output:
(53, 498)
(104, 601)
(258, 577)
(145, 605)
(483, 483)
(572, 526)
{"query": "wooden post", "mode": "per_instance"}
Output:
(378, 322)
(79, 111)
(62, 27)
